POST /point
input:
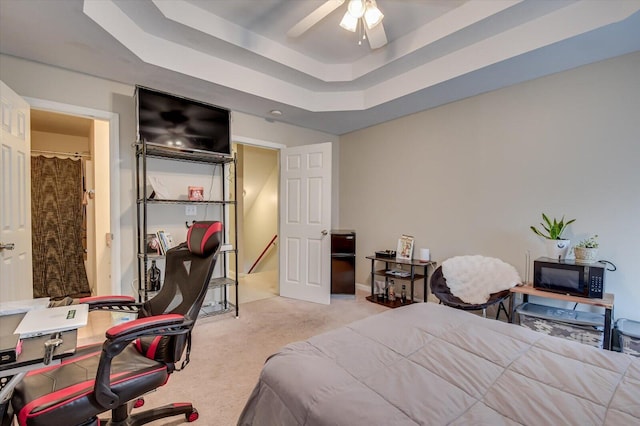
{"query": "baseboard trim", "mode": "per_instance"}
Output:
(363, 287)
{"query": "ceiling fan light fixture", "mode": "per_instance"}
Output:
(372, 15)
(356, 8)
(349, 22)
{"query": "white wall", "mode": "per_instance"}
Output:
(470, 177)
(40, 81)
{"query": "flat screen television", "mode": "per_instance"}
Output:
(182, 124)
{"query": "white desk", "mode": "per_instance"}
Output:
(30, 358)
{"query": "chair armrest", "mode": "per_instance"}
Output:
(111, 303)
(121, 335)
(158, 324)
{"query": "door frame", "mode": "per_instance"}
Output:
(114, 175)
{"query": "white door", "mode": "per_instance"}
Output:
(305, 220)
(16, 274)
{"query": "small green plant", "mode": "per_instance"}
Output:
(554, 229)
(591, 242)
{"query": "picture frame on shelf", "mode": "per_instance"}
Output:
(405, 248)
(196, 193)
(152, 244)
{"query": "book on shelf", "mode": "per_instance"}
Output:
(165, 240)
(399, 273)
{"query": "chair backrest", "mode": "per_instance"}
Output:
(441, 290)
(188, 271)
(438, 283)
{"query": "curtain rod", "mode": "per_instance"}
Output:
(69, 154)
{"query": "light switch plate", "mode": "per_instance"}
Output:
(191, 210)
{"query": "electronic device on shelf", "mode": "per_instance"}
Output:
(386, 253)
(172, 122)
(569, 277)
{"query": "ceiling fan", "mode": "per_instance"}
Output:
(361, 15)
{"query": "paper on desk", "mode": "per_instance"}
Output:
(19, 306)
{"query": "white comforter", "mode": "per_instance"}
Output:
(430, 364)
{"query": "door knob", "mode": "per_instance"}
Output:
(324, 232)
(7, 246)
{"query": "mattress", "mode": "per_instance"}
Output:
(430, 364)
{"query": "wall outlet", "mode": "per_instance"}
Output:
(191, 210)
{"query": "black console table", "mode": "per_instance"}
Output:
(391, 263)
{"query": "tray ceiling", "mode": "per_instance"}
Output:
(237, 53)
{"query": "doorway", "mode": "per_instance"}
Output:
(258, 174)
(84, 141)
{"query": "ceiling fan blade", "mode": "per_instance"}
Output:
(376, 36)
(314, 17)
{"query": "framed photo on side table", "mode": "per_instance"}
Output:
(405, 248)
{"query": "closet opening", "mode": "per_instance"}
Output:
(70, 205)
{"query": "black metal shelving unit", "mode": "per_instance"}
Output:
(143, 152)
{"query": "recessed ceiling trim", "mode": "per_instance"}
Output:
(516, 41)
(161, 52)
(465, 15)
(202, 20)
(540, 32)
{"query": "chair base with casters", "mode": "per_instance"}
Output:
(122, 416)
(67, 395)
(136, 357)
(440, 289)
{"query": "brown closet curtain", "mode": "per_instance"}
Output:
(56, 213)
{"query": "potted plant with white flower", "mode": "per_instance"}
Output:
(557, 246)
(586, 250)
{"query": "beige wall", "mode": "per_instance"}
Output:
(45, 141)
(470, 177)
(100, 150)
(40, 81)
(260, 208)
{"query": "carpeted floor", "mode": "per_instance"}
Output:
(256, 286)
(228, 353)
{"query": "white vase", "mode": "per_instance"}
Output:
(558, 249)
(585, 254)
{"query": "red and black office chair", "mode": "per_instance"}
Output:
(137, 356)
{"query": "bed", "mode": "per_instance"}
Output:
(431, 364)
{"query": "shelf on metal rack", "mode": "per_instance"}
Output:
(158, 151)
(221, 282)
(217, 308)
(204, 202)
